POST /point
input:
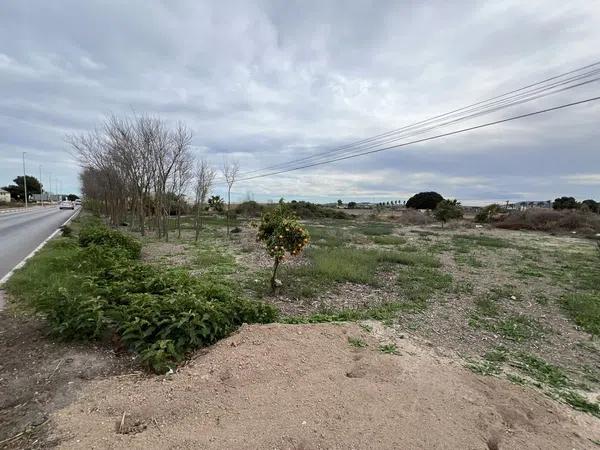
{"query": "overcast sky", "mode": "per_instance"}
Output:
(265, 82)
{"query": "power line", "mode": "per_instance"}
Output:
(441, 125)
(508, 99)
(451, 133)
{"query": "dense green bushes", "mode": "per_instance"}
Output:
(99, 235)
(99, 289)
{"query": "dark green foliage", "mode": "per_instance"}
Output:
(66, 230)
(307, 210)
(98, 288)
(72, 197)
(216, 203)
(351, 205)
(486, 214)
(565, 203)
(592, 205)
(447, 210)
(100, 235)
(424, 200)
(584, 309)
(17, 190)
(580, 403)
(249, 208)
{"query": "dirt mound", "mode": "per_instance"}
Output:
(310, 386)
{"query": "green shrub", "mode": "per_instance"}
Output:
(98, 288)
(100, 235)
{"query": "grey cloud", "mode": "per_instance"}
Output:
(268, 81)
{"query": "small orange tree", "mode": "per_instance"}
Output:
(281, 233)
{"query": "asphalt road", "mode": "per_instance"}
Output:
(21, 232)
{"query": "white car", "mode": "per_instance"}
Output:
(66, 205)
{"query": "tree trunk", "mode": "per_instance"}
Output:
(274, 277)
(228, 207)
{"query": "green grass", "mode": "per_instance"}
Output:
(327, 237)
(327, 266)
(390, 349)
(584, 309)
(467, 260)
(463, 240)
(496, 355)
(376, 229)
(580, 403)
(356, 342)
(541, 371)
(485, 367)
(518, 328)
(388, 240)
(417, 284)
(487, 306)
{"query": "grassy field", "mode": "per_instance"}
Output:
(520, 305)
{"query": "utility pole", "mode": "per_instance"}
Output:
(41, 190)
(24, 180)
(50, 184)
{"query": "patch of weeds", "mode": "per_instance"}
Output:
(462, 287)
(417, 284)
(213, 261)
(480, 240)
(487, 306)
(580, 403)
(385, 313)
(584, 309)
(409, 259)
(518, 328)
(540, 298)
(497, 355)
(332, 265)
(485, 367)
(390, 349)
(409, 248)
(376, 229)
(327, 237)
(516, 379)
(365, 326)
(468, 260)
(356, 342)
(529, 272)
(541, 371)
(388, 240)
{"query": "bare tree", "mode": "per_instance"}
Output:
(181, 180)
(205, 176)
(231, 170)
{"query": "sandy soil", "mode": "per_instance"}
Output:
(39, 375)
(306, 387)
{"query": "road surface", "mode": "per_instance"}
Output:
(21, 232)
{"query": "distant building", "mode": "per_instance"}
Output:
(4, 196)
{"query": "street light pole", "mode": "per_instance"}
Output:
(41, 190)
(24, 180)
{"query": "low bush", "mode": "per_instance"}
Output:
(413, 217)
(249, 208)
(307, 210)
(100, 235)
(539, 219)
(99, 289)
(488, 213)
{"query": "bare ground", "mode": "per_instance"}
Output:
(39, 375)
(305, 387)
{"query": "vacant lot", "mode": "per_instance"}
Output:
(468, 331)
(519, 305)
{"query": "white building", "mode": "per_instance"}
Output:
(4, 196)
